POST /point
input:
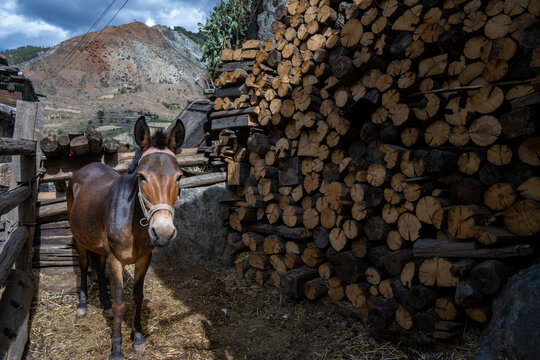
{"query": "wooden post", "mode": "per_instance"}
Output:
(28, 125)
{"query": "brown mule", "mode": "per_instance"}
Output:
(119, 219)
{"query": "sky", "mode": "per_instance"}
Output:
(48, 22)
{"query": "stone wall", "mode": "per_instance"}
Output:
(202, 232)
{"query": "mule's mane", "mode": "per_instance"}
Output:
(159, 141)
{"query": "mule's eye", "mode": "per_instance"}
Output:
(141, 177)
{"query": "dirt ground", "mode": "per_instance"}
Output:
(208, 313)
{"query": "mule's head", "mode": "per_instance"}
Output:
(158, 177)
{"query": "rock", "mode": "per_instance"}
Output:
(513, 332)
(202, 232)
(267, 16)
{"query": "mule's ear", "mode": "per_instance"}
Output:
(176, 135)
(142, 134)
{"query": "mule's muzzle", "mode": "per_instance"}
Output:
(161, 229)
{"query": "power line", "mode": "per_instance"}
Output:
(78, 45)
(69, 59)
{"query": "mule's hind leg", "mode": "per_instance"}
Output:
(83, 294)
(141, 266)
(99, 262)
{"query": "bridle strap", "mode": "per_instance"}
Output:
(143, 201)
(153, 150)
(153, 208)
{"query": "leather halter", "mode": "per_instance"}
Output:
(143, 201)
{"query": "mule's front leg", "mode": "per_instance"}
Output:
(118, 307)
(136, 329)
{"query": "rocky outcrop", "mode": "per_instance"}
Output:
(132, 55)
(202, 234)
(514, 332)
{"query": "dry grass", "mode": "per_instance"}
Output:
(208, 313)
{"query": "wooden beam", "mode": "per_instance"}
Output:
(51, 212)
(12, 199)
(466, 249)
(231, 122)
(202, 180)
(228, 113)
(10, 249)
(10, 146)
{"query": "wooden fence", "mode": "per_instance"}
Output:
(17, 207)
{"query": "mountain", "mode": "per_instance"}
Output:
(109, 76)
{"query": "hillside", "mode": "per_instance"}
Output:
(110, 78)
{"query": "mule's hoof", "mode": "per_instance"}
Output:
(138, 342)
(80, 312)
(139, 348)
(108, 313)
(117, 356)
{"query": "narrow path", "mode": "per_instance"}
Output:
(207, 313)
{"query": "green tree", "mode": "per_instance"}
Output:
(22, 54)
(225, 28)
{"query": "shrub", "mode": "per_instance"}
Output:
(225, 28)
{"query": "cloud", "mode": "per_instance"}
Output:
(48, 22)
(167, 12)
(17, 29)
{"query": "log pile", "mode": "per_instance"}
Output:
(386, 153)
(78, 143)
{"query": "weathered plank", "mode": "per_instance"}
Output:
(232, 122)
(10, 146)
(28, 126)
(15, 310)
(202, 180)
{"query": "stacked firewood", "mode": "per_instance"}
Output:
(393, 155)
(78, 143)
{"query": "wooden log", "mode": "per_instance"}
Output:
(259, 260)
(421, 297)
(436, 272)
(202, 180)
(52, 212)
(79, 146)
(50, 148)
(292, 281)
(405, 316)
(382, 315)
(63, 144)
(10, 146)
(480, 314)
(489, 276)
(446, 308)
(357, 293)
(13, 198)
(315, 289)
(280, 230)
(348, 267)
(467, 294)
(336, 288)
(10, 249)
(466, 249)
(523, 218)
(95, 140)
(395, 260)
